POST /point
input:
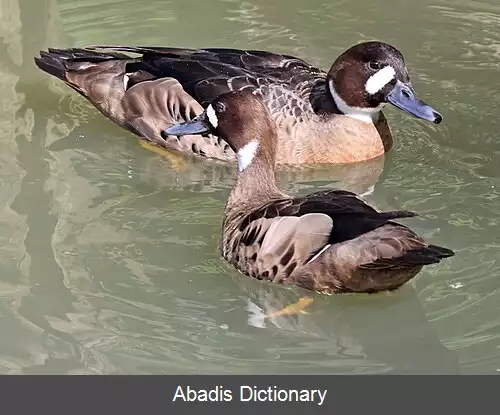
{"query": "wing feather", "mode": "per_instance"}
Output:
(207, 73)
(272, 248)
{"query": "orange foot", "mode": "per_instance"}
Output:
(297, 308)
(177, 161)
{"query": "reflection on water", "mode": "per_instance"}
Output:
(108, 251)
(369, 334)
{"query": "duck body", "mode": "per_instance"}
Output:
(321, 117)
(329, 241)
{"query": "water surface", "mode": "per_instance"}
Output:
(108, 251)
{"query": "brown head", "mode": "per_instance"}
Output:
(242, 120)
(369, 75)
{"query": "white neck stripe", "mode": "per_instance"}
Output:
(362, 114)
(246, 154)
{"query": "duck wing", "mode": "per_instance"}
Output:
(207, 73)
(283, 234)
(351, 216)
(271, 248)
(124, 90)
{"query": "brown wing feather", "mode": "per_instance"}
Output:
(351, 215)
(124, 90)
(285, 83)
(150, 107)
(271, 248)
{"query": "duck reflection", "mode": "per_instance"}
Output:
(162, 168)
(388, 331)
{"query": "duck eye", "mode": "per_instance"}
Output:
(374, 65)
(220, 107)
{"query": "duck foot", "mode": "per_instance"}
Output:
(296, 308)
(177, 161)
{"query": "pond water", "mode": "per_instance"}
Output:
(108, 250)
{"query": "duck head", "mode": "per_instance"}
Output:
(369, 75)
(242, 120)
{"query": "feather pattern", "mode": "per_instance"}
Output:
(285, 83)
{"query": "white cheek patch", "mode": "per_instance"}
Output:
(246, 154)
(379, 79)
(212, 118)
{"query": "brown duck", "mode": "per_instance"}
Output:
(329, 241)
(333, 117)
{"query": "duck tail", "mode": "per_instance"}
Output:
(430, 254)
(425, 255)
(398, 214)
(440, 252)
(52, 63)
(57, 62)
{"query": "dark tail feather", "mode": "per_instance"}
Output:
(441, 252)
(398, 214)
(57, 62)
(431, 254)
(50, 64)
(144, 50)
(86, 55)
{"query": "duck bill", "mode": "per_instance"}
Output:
(403, 96)
(198, 125)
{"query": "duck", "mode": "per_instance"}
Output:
(329, 241)
(332, 117)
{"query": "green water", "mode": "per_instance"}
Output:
(108, 255)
